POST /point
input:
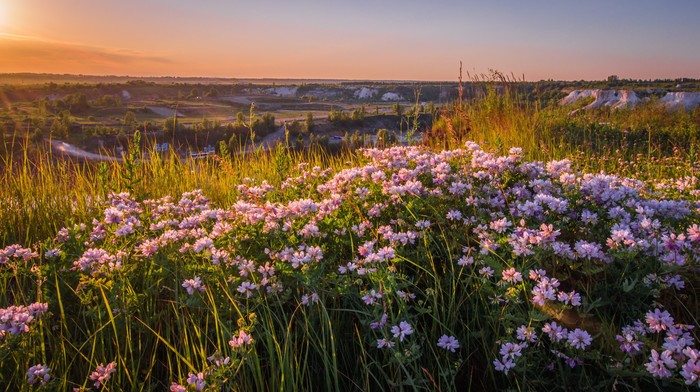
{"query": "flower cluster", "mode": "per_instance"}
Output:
(15, 320)
(16, 252)
(38, 373)
(102, 374)
(390, 240)
(677, 353)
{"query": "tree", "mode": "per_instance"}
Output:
(295, 128)
(129, 119)
(171, 126)
(358, 116)
(212, 93)
(58, 129)
(310, 122)
(398, 109)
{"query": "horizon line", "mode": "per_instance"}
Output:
(233, 78)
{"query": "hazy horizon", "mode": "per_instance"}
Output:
(360, 40)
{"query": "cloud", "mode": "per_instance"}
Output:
(31, 54)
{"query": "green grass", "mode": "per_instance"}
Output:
(141, 317)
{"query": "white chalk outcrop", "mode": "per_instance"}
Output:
(614, 98)
(365, 93)
(282, 91)
(391, 97)
(628, 99)
(679, 100)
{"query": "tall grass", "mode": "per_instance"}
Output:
(40, 192)
(141, 317)
(647, 141)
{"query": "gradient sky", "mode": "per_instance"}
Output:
(352, 39)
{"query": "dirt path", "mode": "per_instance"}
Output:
(270, 140)
(75, 152)
(163, 111)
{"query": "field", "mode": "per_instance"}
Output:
(500, 242)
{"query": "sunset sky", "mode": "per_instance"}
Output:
(352, 39)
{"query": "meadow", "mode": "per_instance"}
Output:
(516, 248)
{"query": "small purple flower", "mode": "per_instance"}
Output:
(579, 338)
(197, 380)
(175, 387)
(659, 320)
(659, 364)
(448, 343)
(38, 373)
(526, 334)
(486, 272)
(504, 365)
(512, 276)
(402, 330)
(241, 339)
(385, 343)
(102, 374)
(192, 285)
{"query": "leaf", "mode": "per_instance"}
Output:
(629, 284)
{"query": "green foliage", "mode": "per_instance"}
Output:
(309, 124)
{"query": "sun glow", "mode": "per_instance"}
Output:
(4, 18)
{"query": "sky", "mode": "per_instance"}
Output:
(353, 39)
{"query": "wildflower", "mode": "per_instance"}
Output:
(18, 319)
(588, 217)
(659, 320)
(629, 343)
(555, 332)
(102, 374)
(380, 323)
(448, 343)
(571, 297)
(677, 339)
(382, 343)
(503, 365)
(218, 360)
(247, 288)
(454, 215)
(691, 369)
(511, 350)
(486, 272)
(423, 224)
(579, 338)
(499, 226)
(526, 334)
(512, 276)
(241, 339)
(465, 261)
(38, 373)
(372, 297)
(197, 380)
(537, 274)
(175, 387)
(659, 365)
(544, 291)
(589, 250)
(192, 285)
(402, 330)
(404, 295)
(307, 299)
